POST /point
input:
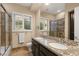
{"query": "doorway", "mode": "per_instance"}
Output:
(71, 25)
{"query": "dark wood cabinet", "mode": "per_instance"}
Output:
(46, 51)
(42, 54)
(40, 50)
(35, 48)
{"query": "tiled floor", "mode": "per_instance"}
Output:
(21, 51)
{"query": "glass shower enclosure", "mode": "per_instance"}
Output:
(4, 31)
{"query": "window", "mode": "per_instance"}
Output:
(43, 24)
(18, 22)
(21, 22)
(27, 22)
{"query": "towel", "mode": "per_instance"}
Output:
(21, 37)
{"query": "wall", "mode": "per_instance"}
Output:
(28, 35)
(68, 7)
(60, 15)
(47, 15)
(37, 22)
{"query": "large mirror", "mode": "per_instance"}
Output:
(43, 26)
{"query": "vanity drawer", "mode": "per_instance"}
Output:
(35, 48)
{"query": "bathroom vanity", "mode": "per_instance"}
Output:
(40, 50)
(50, 47)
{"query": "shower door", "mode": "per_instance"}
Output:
(4, 31)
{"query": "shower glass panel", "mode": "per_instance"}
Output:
(57, 28)
(3, 38)
(4, 31)
(53, 28)
(7, 30)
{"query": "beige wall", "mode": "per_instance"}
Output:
(37, 22)
(49, 16)
(60, 15)
(68, 7)
(28, 35)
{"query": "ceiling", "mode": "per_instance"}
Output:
(25, 4)
(52, 8)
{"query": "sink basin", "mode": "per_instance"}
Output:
(58, 45)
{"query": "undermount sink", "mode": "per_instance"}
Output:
(58, 45)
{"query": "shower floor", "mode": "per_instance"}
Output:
(21, 51)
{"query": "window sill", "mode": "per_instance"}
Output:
(22, 31)
(43, 30)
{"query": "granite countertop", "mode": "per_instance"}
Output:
(72, 48)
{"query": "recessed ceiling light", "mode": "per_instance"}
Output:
(58, 10)
(46, 3)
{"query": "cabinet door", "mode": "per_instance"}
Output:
(44, 51)
(37, 51)
(35, 48)
(42, 54)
